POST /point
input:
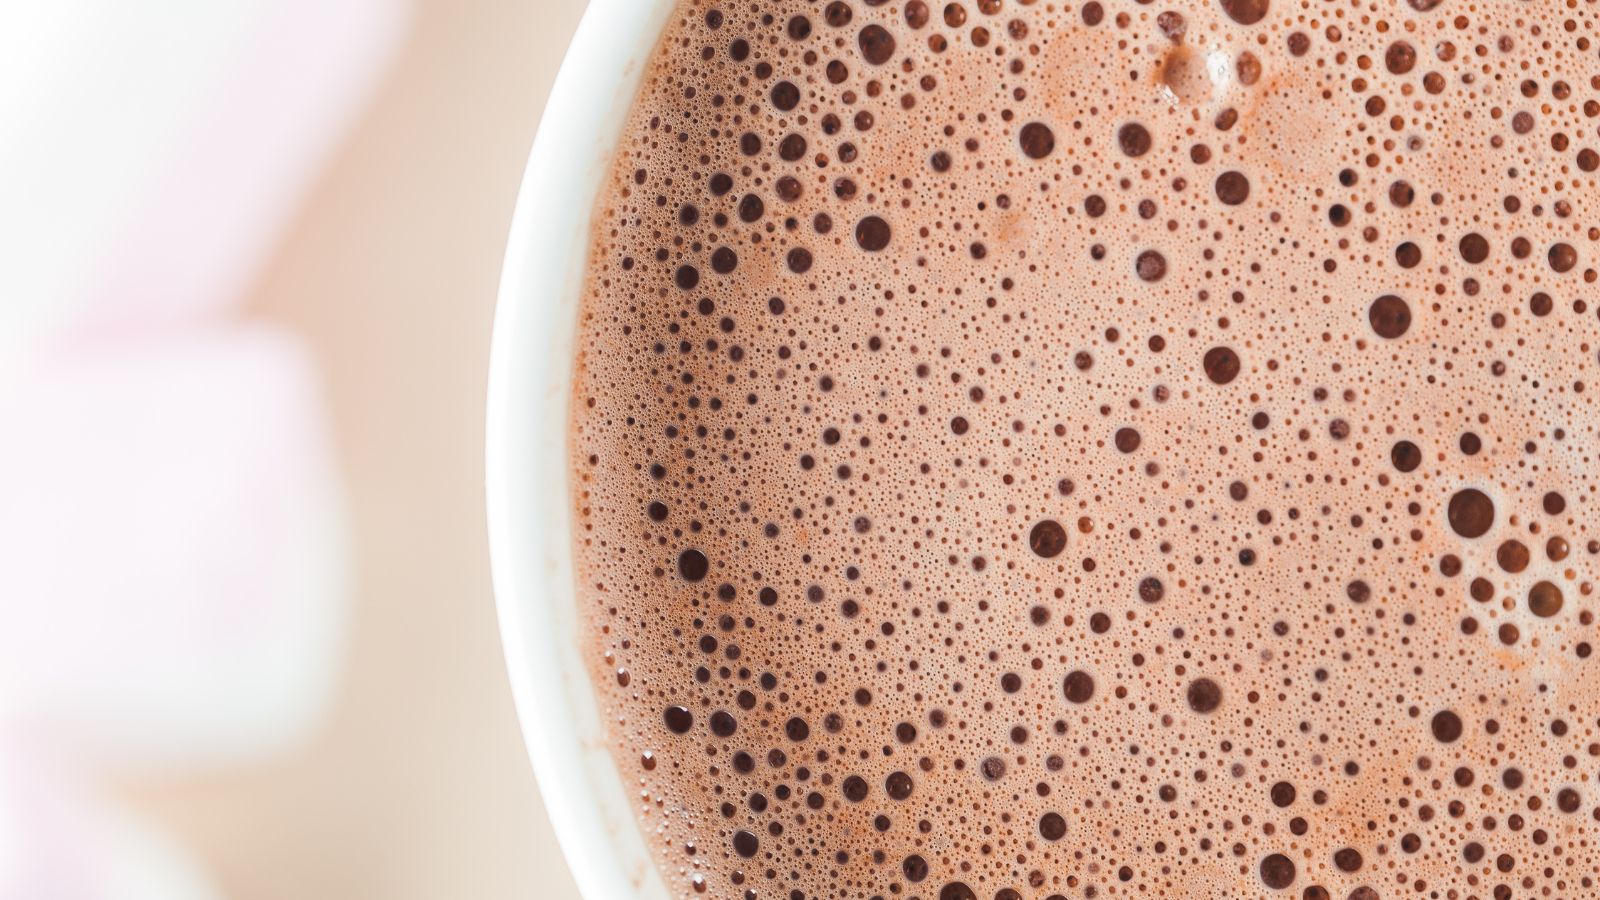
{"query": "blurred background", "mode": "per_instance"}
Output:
(248, 259)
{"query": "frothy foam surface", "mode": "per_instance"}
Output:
(1107, 449)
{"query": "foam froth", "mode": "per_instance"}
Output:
(1107, 449)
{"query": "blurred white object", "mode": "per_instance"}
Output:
(171, 553)
(62, 843)
(173, 564)
(149, 152)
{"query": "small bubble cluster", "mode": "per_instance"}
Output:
(1055, 449)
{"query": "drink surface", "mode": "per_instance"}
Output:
(1101, 449)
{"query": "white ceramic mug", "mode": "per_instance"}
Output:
(530, 507)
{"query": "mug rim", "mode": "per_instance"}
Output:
(526, 453)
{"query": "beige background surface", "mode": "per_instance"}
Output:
(418, 788)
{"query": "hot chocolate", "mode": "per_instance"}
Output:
(1101, 449)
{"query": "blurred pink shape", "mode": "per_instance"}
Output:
(40, 834)
(171, 552)
(249, 155)
(173, 562)
(60, 841)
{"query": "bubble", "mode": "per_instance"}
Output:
(1221, 365)
(1471, 513)
(1389, 316)
(1556, 549)
(1247, 68)
(785, 96)
(1405, 456)
(1233, 188)
(1563, 257)
(877, 44)
(1568, 800)
(1079, 687)
(693, 565)
(1400, 58)
(993, 768)
(1283, 794)
(1151, 266)
(799, 260)
(1481, 590)
(797, 729)
(1052, 826)
(1204, 695)
(1047, 538)
(1347, 859)
(872, 234)
(1245, 12)
(1545, 599)
(957, 890)
(1151, 590)
(792, 147)
(1134, 139)
(1277, 871)
(679, 720)
(1038, 141)
(1512, 555)
(1446, 727)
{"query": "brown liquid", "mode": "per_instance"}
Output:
(1101, 449)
